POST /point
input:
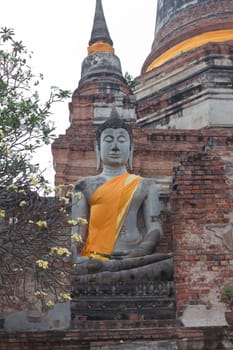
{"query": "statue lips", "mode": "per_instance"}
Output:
(115, 155)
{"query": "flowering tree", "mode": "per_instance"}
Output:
(34, 228)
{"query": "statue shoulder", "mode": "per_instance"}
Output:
(149, 184)
(149, 188)
(82, 184)
(88, 185)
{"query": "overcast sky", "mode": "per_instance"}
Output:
(58, 32)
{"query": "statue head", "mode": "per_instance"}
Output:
(114, 142)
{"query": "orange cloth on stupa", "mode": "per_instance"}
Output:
(100, 47)
(190, 44)
(109, 207)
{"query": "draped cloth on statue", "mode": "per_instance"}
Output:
(109, 207)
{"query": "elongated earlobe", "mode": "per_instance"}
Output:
(98, 159)
(130, 161)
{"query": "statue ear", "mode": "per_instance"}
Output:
(130, 161)
(97, 153)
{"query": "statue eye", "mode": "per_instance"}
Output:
(108, 139)
(121, 139)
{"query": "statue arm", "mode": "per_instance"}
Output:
(80, 209)
(151, 212)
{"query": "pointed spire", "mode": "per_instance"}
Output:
(101, 59)
(100, 30)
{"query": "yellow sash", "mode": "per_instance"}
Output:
(109, 207)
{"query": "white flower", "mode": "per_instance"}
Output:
(50, 303)
(2, 213)
(42, 264)
(42, 224)
(77, 238)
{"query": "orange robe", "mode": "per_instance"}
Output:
(109, 207)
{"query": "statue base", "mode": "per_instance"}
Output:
(123, 301)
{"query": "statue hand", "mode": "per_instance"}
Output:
(119, 254)
(137, 252)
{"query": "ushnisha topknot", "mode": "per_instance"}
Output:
(114, 122)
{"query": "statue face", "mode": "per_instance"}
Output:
(114, 146)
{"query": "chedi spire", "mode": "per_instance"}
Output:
(100, 29)
(101, 60)
(100, 39)
(101, 74)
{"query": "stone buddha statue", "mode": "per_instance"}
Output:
(122, 210)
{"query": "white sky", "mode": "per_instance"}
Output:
(58, 32)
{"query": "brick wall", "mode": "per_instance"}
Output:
(202, 207)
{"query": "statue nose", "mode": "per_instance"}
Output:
(115, 147)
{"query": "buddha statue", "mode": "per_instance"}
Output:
(122, 211)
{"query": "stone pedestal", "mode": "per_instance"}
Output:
(123, 301)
